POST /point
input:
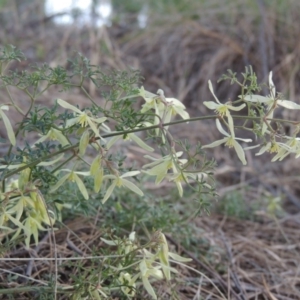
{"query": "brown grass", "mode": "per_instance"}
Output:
(247, 260)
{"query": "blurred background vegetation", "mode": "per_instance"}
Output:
(177, 44)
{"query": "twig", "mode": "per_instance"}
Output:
(35, 251)
(73, 246)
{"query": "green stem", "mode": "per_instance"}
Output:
(42, 91)
(37, 161)
(38, 289)
(12, 101)
(62, 164)
(21, 124)
(87, 94)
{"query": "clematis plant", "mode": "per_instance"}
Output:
(26, 172)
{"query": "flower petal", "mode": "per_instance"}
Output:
(216, 143)
(112, 140)
(257, 98)
(240, 152)
(179, 187)
(288, 104)
(272, 86)
(220, 128)
(236, 108)
(93, 127)
(84, 141)
(109, 191)
(59, 183)
(67, 105)
(98, 179)
(149, 287)
(212, 91)
(264, 149)
(211, 105)
(130, 174)
(52, 162)
(132, 187)
(140, 142)
(230, 123)
(8, 128)
(81, 186)
(179, 258)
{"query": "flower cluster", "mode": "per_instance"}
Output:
(28, 200)
(24, 203)
(271, 102)
(154, 266)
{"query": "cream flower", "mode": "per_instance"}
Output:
(271, 101)
(147, 270)
(291, 146)
(169, 107)
(161, 166)
(118, 181)
(274, 147)
(183, 176)
(54, 135)
(82, 118)
(72, 176)
(164, 107)
(230, 141)
(222, 109)
(151, 100)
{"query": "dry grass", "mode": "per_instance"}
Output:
(248, 260)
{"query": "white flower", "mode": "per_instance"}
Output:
(128, 285)
(169, 107)
(281, 149)
(147, 270)
(271, 101)
(82, 118)
(120, 181)
(151, 100)
(230, 141)
(182, 176)
(54, 135)
(222, 109)
(161, 165)
(164, 107)
(72, 176)
(291, 146)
